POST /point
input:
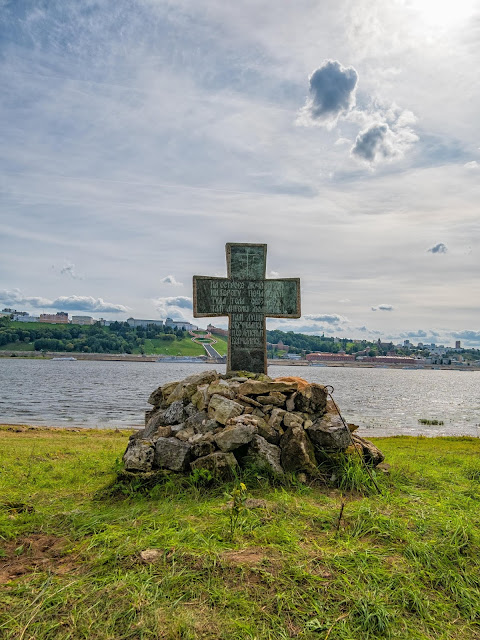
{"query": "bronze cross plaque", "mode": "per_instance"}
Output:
(246, 297)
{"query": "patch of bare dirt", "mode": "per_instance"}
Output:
(33, 553)
(252, 557)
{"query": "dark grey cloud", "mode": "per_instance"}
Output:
(329, 318)
(430, 334)
(178, 301)
(383, 307)
(332, 92)
(364, 329)
(417, 334)
(69, 270)
(438, 248)
(372, 142)
(388, 135)
(86, 303)
(468, 335)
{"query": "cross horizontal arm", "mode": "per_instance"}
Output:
(282, 298)
(206, 299)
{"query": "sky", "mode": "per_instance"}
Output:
(139, 136)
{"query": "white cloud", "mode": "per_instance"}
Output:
(471, 165)
(62, 303)
(174, 307)
(171, 281)
(273, 274)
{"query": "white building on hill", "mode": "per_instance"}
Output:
(180, 324)
(135, 322)
(83, 320)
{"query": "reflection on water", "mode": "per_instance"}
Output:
(114, 394)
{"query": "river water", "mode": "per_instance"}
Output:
(114, 394)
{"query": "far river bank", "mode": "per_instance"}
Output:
(130, 357)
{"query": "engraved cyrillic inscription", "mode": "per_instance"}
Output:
(246, 297)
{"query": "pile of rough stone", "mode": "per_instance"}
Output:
(217, 422)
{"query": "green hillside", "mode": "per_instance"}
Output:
(117, 338)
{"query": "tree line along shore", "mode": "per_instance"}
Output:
(30, 339)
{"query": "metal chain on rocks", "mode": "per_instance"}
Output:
(330, 390)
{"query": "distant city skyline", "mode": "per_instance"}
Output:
(141, 137)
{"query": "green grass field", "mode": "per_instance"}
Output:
(405, 564)
(183, 347)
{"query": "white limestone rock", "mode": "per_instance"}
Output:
(223, 409)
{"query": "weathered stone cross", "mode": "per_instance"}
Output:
(246, 297)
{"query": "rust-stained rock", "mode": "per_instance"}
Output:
(299, 382)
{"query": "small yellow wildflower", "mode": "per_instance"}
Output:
(242, 486)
